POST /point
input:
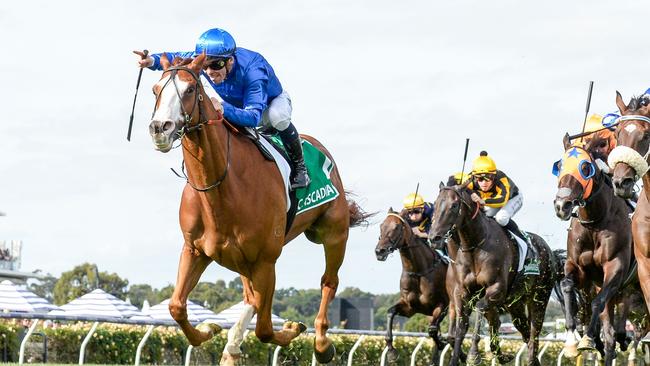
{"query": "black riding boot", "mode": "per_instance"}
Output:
(514, 228)
(291, 141)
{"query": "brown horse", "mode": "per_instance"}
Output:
(423, 281)
(233, 209)
(599, 249)
(485, 273)
(629, 163)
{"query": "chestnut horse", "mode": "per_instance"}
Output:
(629, 161)
(486, 261)
(599, 249)
(233, 210)
(422, 284)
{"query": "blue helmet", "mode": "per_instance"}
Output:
(216, 43)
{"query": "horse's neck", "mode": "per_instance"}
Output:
(471, 231)
(205, 151)
(417, 257)
(646, 184)
(599, 203)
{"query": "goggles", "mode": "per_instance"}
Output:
(215, 63)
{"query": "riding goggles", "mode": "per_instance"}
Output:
(217, 63)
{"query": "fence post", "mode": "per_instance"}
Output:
(382, 360)
(21, 357)
(543, 350)
(354, 348)
(188, 354)
(82, 352)
(417, 348)
(276, 355)
(519, 353)
(444, 353)
(138, 351)
(559, 357)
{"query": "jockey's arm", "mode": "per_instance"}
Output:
(255, 98)
(170, 57)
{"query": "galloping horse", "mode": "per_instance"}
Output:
(486, 270)
(629, 163)
(423, 281)
(599, 249)
(233, 210)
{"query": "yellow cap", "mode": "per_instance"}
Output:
(458, 179)
(594, 122)
(484, 164)
(412, 201)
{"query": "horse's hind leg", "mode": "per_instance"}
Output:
(191, 266)
(608, 333)
(232, 350)
(334, 242)
(434, 332)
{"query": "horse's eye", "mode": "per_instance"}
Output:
(189, 90)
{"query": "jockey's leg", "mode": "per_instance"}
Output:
(278, 116)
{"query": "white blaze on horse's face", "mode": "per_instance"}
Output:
(630, 128)
(168, 116)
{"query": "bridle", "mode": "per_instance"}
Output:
(454, 227)
(187, 118)
(394, 244)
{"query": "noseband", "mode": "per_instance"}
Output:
(187, 117)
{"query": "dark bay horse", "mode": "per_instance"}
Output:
(629, 161)
(233, 210)
(423, 281)
(486, 260)
(599, 250)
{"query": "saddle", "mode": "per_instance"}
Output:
(521, 238)
(255, 136)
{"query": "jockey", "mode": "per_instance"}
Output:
(251, 92)
(601, 143)
(419, 214)
(497, 193)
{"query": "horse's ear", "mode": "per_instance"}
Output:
(164, 61)
(566, 141)
(197, 63)
(441, 185)
(390, 210)
(620, 103)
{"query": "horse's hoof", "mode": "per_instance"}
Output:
(297, 326)
(210, 328)
(327, 356)
(571, 350)
(586, 344)
(392, 356)
(505, 358)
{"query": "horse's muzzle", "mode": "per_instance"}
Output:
(381, 254)
(161, 134)
(563, 208)
(623, 186)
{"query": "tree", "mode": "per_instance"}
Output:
(354, 292)
(44, 287)
(138, 293)
(84, 278)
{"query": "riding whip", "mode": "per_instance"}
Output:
(145, 53)
(591, 87)
(417, 188)
(462, 172)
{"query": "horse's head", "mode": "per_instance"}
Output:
(393, 235)
(452, 205)
(629, 159)
(179, 94)
(575, 174)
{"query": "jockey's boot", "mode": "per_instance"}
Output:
(291, 140)
(532, 267)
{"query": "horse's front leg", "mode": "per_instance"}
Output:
(232, 350)
(462, 313)
(401, 309)
(191, 266)
(263, 280)
(568, 284)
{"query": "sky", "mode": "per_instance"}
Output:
(392, 89)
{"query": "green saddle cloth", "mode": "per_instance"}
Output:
(321, 189)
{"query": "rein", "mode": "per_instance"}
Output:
(187, 128)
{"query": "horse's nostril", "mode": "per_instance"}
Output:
(566, 206)
(168, 126)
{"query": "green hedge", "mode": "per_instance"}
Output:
(116, 344)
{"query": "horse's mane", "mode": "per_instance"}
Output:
(638, 101)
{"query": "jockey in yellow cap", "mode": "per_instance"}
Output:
(599, 144)
(497, 193)
(419, 214)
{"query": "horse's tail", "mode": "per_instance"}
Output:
(559, 256)
(358, 216)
